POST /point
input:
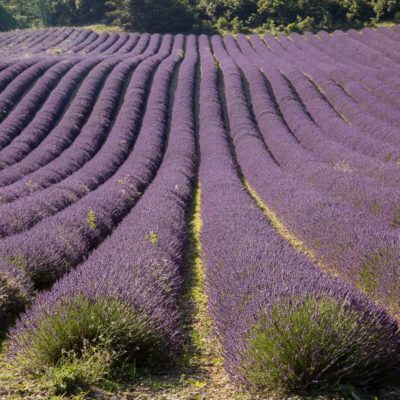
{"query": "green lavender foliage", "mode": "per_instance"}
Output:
(80, 328)
(303, 345)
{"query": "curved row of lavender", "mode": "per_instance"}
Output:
(18, 86)
(80, 128)
(23, 42)
(310, 134)
(59, 121)
(345, 99)
(56, 41)
(140, 264)
(33, 99)
(12, 70)
(37, 101)
(301, 156)
(368, 49)
(376, 114)
(96, 154)
(261, 292)
(56, 244)
(39, 88)
(327, 117)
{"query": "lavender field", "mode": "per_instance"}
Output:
(164, 197)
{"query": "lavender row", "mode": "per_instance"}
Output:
(309, 134)
(130, 43)
(345, 55)
(56, 40)
(85, 101)
(82, 35)
(59, 126)
(79, 46)
(360, 72)
(47, 41)
(20, 35)
(5, 63)
(378, 56)
(376, 42)
(5, 37)
(14, 70)
(77, 35)
(23, 42)
(17, 88)
(342, 98)
(258, 286)
(124, 44)
(54, 121)
(122, 39)
(331, 123)
(30, 46)
(25, 110)
(56, 37)
(379, 201)
(147, 248)
(363, 109)
(314, 44)
(376, 200)
(67, 41)
(317, 107)
(102, 38)
(390, 34)
(101, 147)
(58, 45)
(112, 38)
(360, 53)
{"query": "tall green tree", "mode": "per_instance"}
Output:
(27, 13)
(152, 15)
(77, 12)
(7, 22)
(90, 11)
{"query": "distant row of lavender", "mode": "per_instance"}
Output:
(60, 119)
(55, 41)
(93, 157)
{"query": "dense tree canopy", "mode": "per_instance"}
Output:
(188, 15)
(7, 22)
(76, 12)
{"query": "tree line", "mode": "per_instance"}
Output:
(199, 15)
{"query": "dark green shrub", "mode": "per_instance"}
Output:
(79, 326)
(168, 16)
(7, 22)
(312, 343)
